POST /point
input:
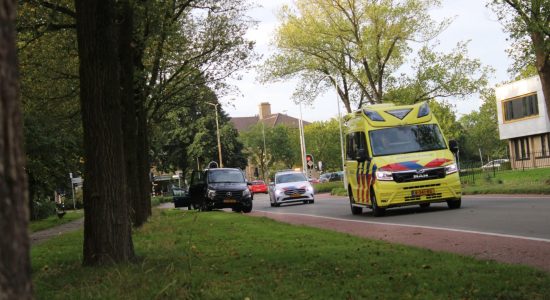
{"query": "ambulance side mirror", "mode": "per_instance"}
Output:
(453, 146)
(361, 155)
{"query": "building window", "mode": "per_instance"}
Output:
(545, 145)
(521, 148)
(521, 107)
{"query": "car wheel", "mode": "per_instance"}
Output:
(424, 205)
(376, 210)
(276, 204)
(246, 208)
(355, 210)
(311, 201)
(306, 201)
(454, 204)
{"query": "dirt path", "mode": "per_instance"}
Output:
(44, 235)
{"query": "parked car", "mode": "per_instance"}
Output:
(497, 163)
(258, 186)
(324, 177)
(290, 187)
(217, 188)
(336, 176)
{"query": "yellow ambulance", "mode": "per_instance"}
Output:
(398, 156)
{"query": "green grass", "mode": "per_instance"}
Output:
(217, 255)
(53, 221)
(531, 181)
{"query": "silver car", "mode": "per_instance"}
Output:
(290, 187)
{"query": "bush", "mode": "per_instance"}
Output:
(327, 187)
(339, 191)
(42, 208)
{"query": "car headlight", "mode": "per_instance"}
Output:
(450, 169)
(211, 194)
(278, 192)
(309, 189)
(384, 175)
(246, 193)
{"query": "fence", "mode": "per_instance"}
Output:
(470, 171)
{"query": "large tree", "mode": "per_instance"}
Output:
(15, 266)
(480, 132)
(358, 48)
(107, 226)
(528, 22)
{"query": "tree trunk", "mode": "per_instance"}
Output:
(15, 266)
(129, 115)
(543, 67)
(144, 163)
(107, 226)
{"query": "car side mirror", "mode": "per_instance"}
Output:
(361, 155)
(453, 146)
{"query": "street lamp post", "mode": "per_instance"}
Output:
(217, 132)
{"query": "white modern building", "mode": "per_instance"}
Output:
(523, 122)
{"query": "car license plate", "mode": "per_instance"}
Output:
(424, 192)
(295, 195)
(229, 201)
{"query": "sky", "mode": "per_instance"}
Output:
(472, 22)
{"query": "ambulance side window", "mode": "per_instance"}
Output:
(350, 150)
(355, 141)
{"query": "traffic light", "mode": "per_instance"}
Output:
(309, 161)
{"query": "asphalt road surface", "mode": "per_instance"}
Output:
(521, 216)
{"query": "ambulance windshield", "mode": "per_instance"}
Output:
(406, 139)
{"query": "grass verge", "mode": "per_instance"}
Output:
(53, 221)
(531, 181)
(327, 187)
(217, 255)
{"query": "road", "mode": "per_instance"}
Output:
(520, 216)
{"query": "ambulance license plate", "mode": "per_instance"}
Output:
(423, 192)
(229, 201)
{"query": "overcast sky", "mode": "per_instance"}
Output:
(472, 21)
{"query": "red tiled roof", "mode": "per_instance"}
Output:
(243, 123)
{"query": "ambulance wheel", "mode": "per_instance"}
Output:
(454, 204)
(355, 210)
(376, 210)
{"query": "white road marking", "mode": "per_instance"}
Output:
(413, 226)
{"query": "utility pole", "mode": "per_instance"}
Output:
(302, 142)
(341, 141)
(218, 133)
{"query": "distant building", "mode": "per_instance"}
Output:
(265, 116)
(270, 120)
(523, 122)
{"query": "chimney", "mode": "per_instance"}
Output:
(265, 110)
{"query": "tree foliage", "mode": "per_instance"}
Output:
(528, 23)
(481, 131)
(359, 48)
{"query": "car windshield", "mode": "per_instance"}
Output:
(225, 176)
(406, 139)
(326, 175)
(290, 177)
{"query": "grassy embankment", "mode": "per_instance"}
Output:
(531, 181)
(218, 255)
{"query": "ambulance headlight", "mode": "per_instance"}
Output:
(450, 169)
(384, 175)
